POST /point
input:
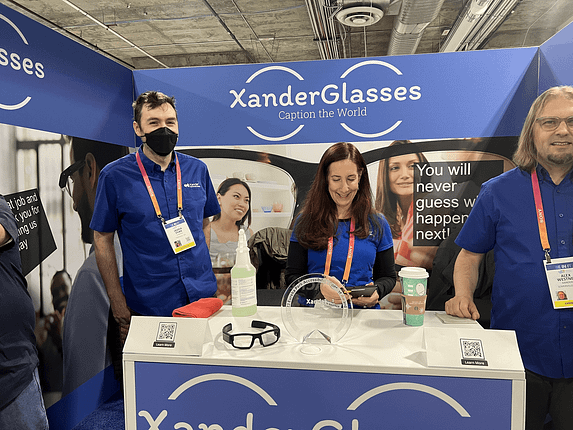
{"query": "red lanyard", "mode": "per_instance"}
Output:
(152, 193)
(348, 257)
(540, 215)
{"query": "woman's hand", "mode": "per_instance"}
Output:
(394, 299)
(330, 294)
(368, 302)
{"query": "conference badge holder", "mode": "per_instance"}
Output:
(560, 279)
(179, 235)
(312, 319)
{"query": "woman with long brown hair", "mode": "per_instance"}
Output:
(339, 208)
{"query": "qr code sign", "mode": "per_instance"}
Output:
(472, 349)
(166, 332)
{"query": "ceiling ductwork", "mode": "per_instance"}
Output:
(409, 25)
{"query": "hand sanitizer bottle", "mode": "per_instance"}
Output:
(243, 281)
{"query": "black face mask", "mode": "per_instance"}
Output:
(162, 141)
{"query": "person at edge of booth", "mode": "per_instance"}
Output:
(21, 402)
(339, 209)
(159, 202)
(504, 218)
(88, 313)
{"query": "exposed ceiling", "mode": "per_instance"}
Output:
(143, 34)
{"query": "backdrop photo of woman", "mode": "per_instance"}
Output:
(234, 197)
(338, 209)
(395, 199)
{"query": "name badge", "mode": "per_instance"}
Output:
(560, 279)
(179, 235)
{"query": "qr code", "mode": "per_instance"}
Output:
(472, 348)
(166, 331)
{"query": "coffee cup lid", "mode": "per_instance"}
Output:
(413, 272)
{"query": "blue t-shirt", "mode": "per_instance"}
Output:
(504, 219)
(364, 253)
(155, 279)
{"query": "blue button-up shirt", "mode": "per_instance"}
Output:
(155, 279)
(504, 219)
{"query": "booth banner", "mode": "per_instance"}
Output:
(34, 233)
(199, 396)
(556, 60)
(52, 83)
(367, 99)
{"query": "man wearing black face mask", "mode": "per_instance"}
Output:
(159, 202)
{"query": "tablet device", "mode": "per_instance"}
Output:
(361, 291)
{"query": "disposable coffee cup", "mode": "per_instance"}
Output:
(414, 292)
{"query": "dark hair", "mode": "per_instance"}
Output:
(59, 290)
(318, 220)
(525, 155)
(224, 187)
(152, 98)
(386, 201)
(103, 152)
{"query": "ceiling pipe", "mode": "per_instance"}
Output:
(324, 29)
(466, 22)
(229, 32)
(488, 26)
(476, 22)
(253, 31)
(410, 24)
(101, 24)
(31, 14)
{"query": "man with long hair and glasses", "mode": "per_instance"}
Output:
(526, 216)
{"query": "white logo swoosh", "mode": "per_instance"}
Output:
(28, 98)
(223, 377)
(267, 69)
(274, 139)
(409, 386)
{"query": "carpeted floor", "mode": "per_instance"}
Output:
(108, 416)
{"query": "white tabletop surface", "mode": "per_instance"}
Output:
(377, 341)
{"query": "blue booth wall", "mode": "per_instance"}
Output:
(52, 83)
(290, 111)
(556, 60)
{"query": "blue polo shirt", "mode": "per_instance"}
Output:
(504, 219)
(155, 279)
(364, 253)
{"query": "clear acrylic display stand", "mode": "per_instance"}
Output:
(309, 317)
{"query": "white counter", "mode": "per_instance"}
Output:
(378, 349)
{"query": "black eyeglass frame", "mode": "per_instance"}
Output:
(68, 172)
(229, 338)
(567, 120)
